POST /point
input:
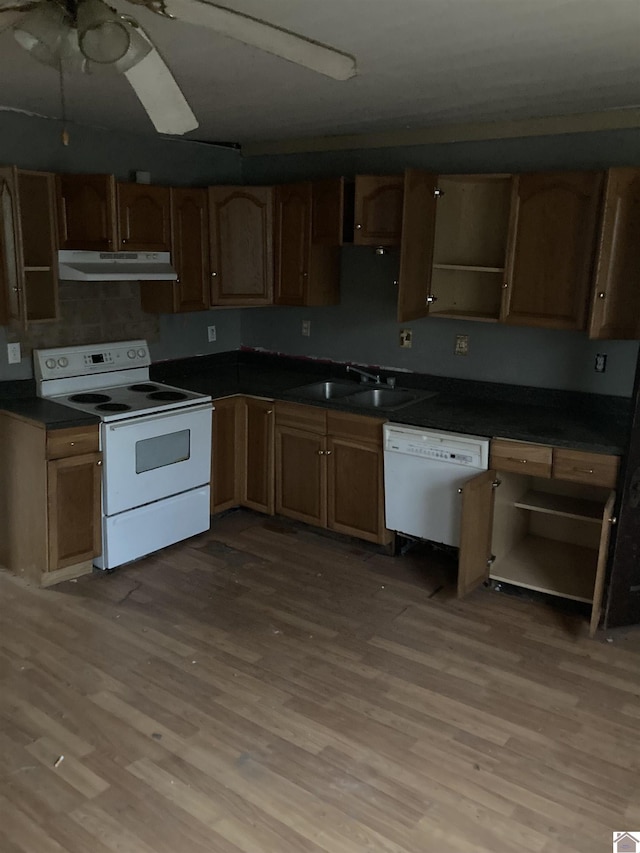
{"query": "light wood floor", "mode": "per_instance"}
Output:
(268, 689)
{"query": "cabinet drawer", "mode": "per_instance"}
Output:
(580, 467)
(72, 442)
(521, 457)
(358, 427)
(299, 416)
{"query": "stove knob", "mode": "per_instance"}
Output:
(50, 363)
(63, 362)
(131, 353)
(142, 353)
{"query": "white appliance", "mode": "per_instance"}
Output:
(423, 470)
(155, 440)
(115, 266)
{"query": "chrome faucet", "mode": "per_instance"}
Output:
(364, 375)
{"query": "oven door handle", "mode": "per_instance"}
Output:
(130, 422)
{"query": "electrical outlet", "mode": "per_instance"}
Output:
(211, 334)
(601, 362)
(406, 338)
(14, 356)
(462, 345)
(306, 328)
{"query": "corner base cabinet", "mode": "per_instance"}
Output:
(540, 519)
(50, 500)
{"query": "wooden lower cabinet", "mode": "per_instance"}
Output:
(546, 533)
(329, 470)
(74, 512)
(50, 500)
(242, 454)
(226, 453)
(257, 491)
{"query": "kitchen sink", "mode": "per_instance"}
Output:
(329, 390)
(384, 398)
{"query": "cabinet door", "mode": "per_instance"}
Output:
(551, 249)
(292, 242)
(301, 475)
(241, 245)
(327, 216)
(615, 310)
(378, 210)
(258, 468)
(144, 215)
(474, 559)
(608, 520)
(416, 250)
(87, 212)
(355, 490)
(190, 241)
(74, 510)
(11, 304)
(226, 445)
(39, 244)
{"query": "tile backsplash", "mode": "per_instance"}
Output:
(90, 312)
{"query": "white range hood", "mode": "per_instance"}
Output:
(115, 266)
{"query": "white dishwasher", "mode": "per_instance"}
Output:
(423, 470)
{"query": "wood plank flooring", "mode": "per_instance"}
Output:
(266, 688)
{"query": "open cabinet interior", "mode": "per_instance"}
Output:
(472, 225)
(546, 535)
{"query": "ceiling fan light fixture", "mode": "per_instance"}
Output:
(102, 36)
(42, 31)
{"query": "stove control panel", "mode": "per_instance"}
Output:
(90, 359)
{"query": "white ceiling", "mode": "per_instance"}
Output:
(421, 63)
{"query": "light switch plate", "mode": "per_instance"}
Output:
(14, 356)
(462, 345)
(306, 328)
(406, 338)
(211, 333)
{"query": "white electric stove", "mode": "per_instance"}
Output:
(155, 440)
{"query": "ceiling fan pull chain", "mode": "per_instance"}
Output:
(63, 106)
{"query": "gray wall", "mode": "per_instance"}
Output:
(35, 143)
(363, 328)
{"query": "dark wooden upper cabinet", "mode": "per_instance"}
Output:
(241, 236)
(615, 310)
(144, 214)
(327, 214)
(190, 225)
(292, 242)
(39, 228)
(378, 210)
(87, 212)
(551, 251)
(416, 251)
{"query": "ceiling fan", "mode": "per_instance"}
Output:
(90, 36)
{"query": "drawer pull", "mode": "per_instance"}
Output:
(513, 459)
(72, 444)
(328, 452)
(321, 453)
(268, 411)
(99, 462)
(584, 470)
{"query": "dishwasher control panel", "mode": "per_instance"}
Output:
(453, 448)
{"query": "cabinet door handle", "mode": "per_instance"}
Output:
(328, 452)
(602, 295)
(214, 274)
(72, 444)
(321, 453)
(459, 491)
(431, 298)
(99, 463)
(268, 411)
(613, 520)
(358, 227)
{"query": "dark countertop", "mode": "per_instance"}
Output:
(51, 415)
(563, 419)
(589, 422)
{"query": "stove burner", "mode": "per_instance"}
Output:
(89, 398)
(144, 387)
(168, 395)
(113, 407)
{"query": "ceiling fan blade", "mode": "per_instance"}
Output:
(160, 95)
(252, 31)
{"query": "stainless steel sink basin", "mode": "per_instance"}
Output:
(329, 390)
(384, 398)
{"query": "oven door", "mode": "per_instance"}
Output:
(153, 456)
